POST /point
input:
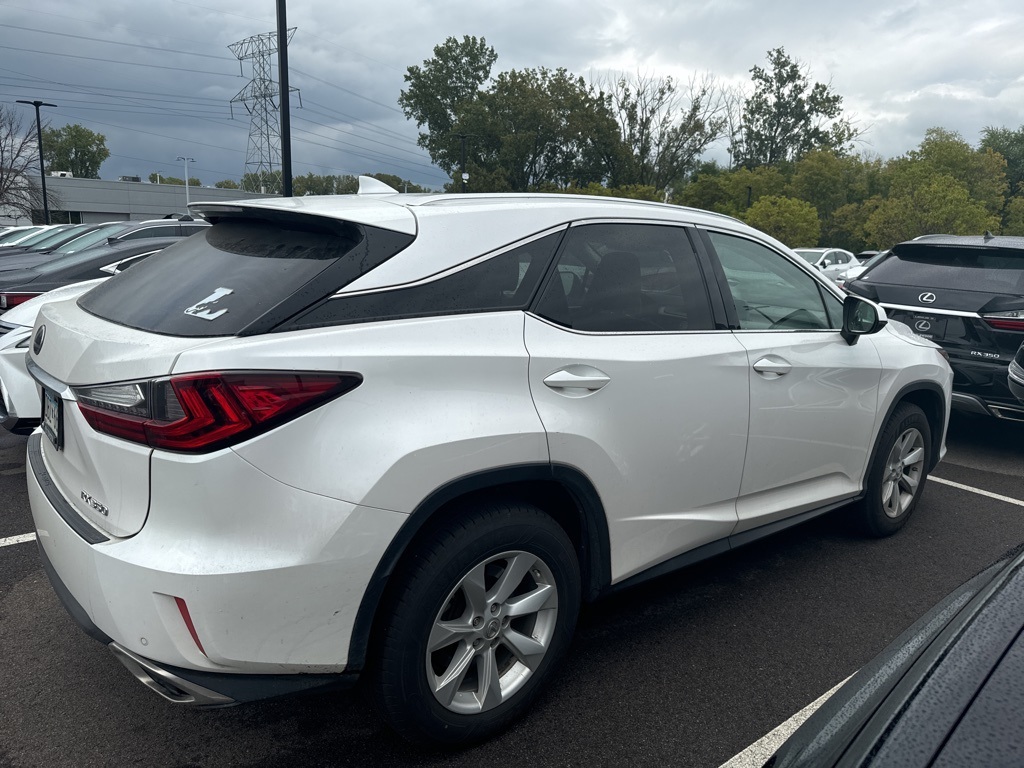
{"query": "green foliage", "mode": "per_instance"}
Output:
(981, 171)
(792, 221)
(520, 131)
(269, 183)
(396, 182)
(628, 191)
(226, 184)
(1014, 221)
(158, 178)
(845, 228)
(1009, 144)
(536, 127)
(74, 148)
(787, 116)
(439, 90)
(735, 191)
(925, 202)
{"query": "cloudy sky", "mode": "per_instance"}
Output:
(155, 77)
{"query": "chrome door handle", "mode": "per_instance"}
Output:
(772, 367)
(577, 377)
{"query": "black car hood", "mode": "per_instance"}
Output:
(18, 277)
(24, 261)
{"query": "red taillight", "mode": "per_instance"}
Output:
(1005, 324)
(8, 300)
(202, 412)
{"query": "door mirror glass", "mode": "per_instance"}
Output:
(861, 317)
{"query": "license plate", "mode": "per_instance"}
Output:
(929, 326)
(53, 418)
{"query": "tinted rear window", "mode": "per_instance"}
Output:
(240, 276)
(986, 270)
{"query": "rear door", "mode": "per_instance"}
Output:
(637, 388)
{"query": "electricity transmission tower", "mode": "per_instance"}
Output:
(261, 98)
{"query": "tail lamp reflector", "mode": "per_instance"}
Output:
(202, 412)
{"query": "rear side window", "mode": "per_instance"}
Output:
(502, 282)
(627, 278)
(241, 276)
(986, 270)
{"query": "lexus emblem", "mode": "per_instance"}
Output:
(37, 340)
(923, 326)
(926, 298)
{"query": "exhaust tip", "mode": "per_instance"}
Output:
(166, 684)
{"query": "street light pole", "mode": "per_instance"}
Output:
(187, 161)
(39, 141)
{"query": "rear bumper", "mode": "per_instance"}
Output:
(19, 398)
(269, 626)
(1015, 381)
(189, 686)
(985, 388)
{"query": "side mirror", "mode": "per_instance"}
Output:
(860, 318)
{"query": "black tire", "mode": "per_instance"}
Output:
(898, 472)
(514, 549)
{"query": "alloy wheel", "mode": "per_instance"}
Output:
(492, 632)
(903, 472)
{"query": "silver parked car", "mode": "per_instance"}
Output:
(831, 261)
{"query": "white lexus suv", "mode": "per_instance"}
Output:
(405, 436)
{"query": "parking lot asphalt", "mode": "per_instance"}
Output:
(687, 670)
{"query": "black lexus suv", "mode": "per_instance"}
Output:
(965, 293)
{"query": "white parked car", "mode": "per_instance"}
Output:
(830, 261)
(406, 436)
(19, 394)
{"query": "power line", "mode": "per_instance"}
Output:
(110, 61)
(116, 42)
(346, 90)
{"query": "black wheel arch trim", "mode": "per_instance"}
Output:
(938, 430)
(595, 549)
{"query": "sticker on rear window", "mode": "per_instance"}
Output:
(201, 309)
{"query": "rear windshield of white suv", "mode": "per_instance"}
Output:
(985, 270)
(241, 276)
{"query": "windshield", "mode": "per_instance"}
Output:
(98, 235)
(41, 237)
(16, 234)
(811, 257)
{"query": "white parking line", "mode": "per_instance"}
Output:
(978, 491)
(17, 539)
(757, 753)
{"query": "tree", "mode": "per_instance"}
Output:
(226, 184)
(1009, 144)
(1014, 221)
(441, 88)
(396, 182)
(519, 131)
(925, 202)
(733, 192)
(19, 167)
(664, 129)
(792, 221)
(158, 178)
(74, 148)
(786, 116)
(981, 171)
